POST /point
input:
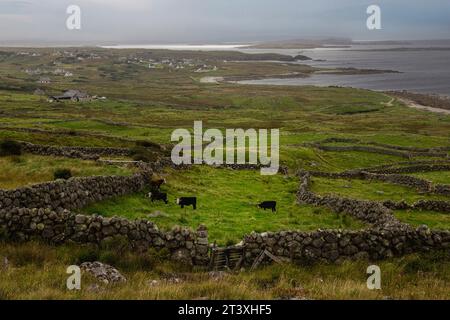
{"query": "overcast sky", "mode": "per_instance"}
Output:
(217, 21)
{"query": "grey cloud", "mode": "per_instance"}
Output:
(15, 7)
(133, 21)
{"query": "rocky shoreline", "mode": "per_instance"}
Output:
(294, 75)
(426, 100)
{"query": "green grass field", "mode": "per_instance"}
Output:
(227, 202)
(19, 171)
(440, 177)
(434, 220)
(370, 190)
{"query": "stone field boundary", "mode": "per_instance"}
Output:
(43, 211)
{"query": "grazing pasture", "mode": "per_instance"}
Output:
(227, 204)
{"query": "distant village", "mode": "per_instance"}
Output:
(47, 73)
(61, 67)
(176, 64)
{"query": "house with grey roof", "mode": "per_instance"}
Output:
(71, 95)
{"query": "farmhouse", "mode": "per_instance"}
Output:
(72, 95)
(44, 80)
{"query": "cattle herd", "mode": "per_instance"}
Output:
(157, 195)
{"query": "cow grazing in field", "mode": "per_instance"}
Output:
(187, 201)
(157, 183)
(268, 205)
(158, 196)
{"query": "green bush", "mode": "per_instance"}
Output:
(62, 174)
(147, 144)
(87, 253)
(141, 157)
(143, 154)
(417, 265)
(230, 242)
(427, 262)
(10, 148)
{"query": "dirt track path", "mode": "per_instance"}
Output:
(414, 105)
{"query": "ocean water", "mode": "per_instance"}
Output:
(424, 67)
(196, 47)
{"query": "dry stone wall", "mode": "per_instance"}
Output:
(335, 246)
(63, 226)
(365, 149)
(73, 193)
(42, 150)
(430, 205)
(387, 237)
(68, 133)
(84, 153)
(42, 211)
(412, 182)
(413, 149)
(411, 168)
(368, 211)
(443, 189)
(383, 145)
(403, 180)
(379, 148)
(168, 163)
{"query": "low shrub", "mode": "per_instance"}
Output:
(427, 262)
(87, 253)
(10, 148)
(62, 174)
(230, 242)
(345, 220)
(147, 144)
(143, 154)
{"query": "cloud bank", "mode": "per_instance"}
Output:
(187, 21)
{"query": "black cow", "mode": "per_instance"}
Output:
(158, 196)
(268, 205)
(187, 201)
